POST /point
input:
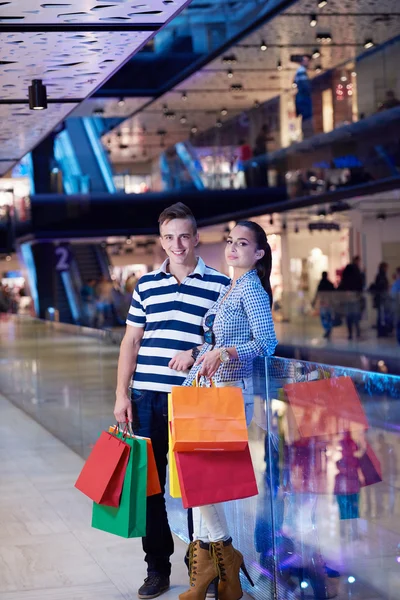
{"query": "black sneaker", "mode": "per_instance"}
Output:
(154, 585)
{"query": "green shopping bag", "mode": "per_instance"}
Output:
(129, 519)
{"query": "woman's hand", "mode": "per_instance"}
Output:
(210, 363)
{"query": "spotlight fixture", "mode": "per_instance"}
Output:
(236, 87)
(230, 74)
(313, 20)
(218, 123)
(183, 119)
(316, 53)
(170, 115)
(256, 104)
(97, 112)
(229, 59)
(279, 65)
(224, 112)
(318, 68)
(37, 95)
(369, 43)
(271, 220)
(161, 132)
(121, 102)
(284, 226)
(184, 96)
(381, 216)
(322, 3)
(165, 108)
(263, 46)
(324, 38)
(296, 228)
(194, 129)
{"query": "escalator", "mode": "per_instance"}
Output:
(62, 301)
(88, 258)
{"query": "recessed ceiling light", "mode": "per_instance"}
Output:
(121, 102)
(183, 119)
(318, 69)
(194, 129)
(219, 123)
(322, 3)
(279, 65)
(313, 20)
(316, 53)
(230, 74)
(263, 46)
(369, 43)
(224, 112)
(184, 96)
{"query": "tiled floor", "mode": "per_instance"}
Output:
(47, 549)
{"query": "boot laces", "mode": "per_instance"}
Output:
(192, 564)
(218, 558)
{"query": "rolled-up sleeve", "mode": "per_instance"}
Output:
(256, 305)
(137, 313)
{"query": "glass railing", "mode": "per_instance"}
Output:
(324, 442)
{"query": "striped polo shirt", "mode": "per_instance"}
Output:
(172, 317)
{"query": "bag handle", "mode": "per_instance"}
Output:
(197, 381)
(127, 429)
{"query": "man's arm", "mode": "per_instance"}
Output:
(126, 367)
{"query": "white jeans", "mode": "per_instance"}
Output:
(209, 522)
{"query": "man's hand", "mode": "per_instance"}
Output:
(123, 408)
(182, 361)
(210, 363)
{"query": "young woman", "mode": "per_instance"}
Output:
(238, 328)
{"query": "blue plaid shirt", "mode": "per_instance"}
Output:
(242, 321)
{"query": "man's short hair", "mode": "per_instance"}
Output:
(177, 211)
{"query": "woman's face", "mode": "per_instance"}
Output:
(241, 251)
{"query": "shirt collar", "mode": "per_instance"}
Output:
(246, 275)
(199, 270)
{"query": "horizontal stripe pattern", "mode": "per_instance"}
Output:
(172, 318)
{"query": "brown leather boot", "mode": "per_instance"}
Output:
(203, 570)
(229, 561)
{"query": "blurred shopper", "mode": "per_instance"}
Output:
(390, 101)
(325, 301)
(238, 328)
(165, 318)
(380, 289)
(260, 168)
(395, 291)
(130, 283)
(351, 284)
(104, 302)
(88, 297)
(245, 154)
(304, 107)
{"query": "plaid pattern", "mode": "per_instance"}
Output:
(242, 321)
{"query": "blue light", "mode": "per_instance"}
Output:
(304, 585)
(351, 579)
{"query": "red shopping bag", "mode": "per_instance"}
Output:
(212, 477)
(103, 473)
(325, 407)
(370, 467)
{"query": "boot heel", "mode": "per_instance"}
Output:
(245, 571)
(215, 582)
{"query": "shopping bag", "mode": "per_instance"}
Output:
(153, 480)
(129, 519)
(102, 476)
(208, 418)
(370, 467)
(325, 407)
(212, 477)
(174, 487)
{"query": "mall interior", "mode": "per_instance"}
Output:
(284, 112)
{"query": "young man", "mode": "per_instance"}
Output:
(165, 319)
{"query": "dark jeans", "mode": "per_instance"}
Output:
(353, 319)
(150, 419)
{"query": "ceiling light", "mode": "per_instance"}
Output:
(263, 46)
(97, 112)
(322, 3)
(121, 102)
(37, 95)
(256, 104)
(224, 112)
(230, 74)
(236, 87)
(313, 20)
(324, 38)
(296, 228)
(353, 74)
(343, 78)
(229, 59)
(279, 65)
(318, 69)
(165, 108)
(170, 115)
(316, 53)
(184, 96)
(218, 123)
(369, 43)
(183, 119)
(271, 220)
(194, 129)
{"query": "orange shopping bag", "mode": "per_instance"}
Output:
(208, 418)
(153, 481)
(174, 485)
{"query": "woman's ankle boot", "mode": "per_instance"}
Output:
(203, 571)
(229, 561)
